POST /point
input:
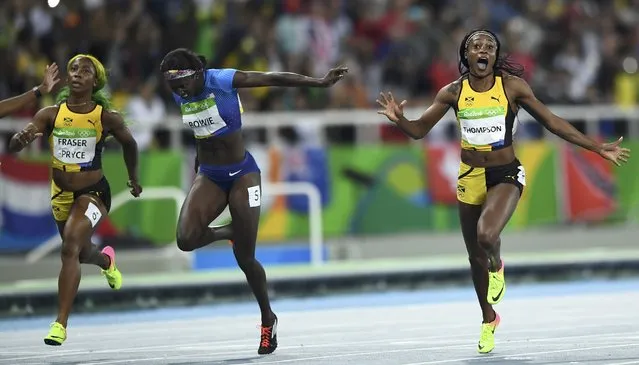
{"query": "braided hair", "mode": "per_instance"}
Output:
(502, 62)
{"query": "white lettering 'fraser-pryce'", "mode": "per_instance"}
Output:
(71, 155)
(73, 142)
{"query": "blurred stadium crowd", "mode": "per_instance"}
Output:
(575, 51)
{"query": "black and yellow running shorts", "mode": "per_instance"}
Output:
(473, 183)
(62, 201)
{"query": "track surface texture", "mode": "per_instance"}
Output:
(591, 322)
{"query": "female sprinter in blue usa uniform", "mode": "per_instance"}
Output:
(227, 173)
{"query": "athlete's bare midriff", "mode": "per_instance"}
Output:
(488, 158)
(221, 150)
(74, 181)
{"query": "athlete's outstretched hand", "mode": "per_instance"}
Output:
(334, 75)
(136, 189)
(612, 152)
(50, 78)
(391, 110)
(28, 135)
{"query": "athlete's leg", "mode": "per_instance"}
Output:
(469, 217)
(205, 202)
(76, 241)
(244, 203)
(90, 254)
(222, 232)
(501, 202)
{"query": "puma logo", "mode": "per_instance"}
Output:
(495, 98)
(91, 122)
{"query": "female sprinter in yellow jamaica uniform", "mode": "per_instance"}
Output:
(80, 195)
(486, 99)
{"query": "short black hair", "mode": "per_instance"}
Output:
(502, 63)
(183, 59)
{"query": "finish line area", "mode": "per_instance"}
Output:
(585, 322)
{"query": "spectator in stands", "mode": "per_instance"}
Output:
(148, 111)
(304, 36)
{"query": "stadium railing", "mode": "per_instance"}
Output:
(592, 116)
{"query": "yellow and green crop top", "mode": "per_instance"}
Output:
(485, 119)
(77, 140)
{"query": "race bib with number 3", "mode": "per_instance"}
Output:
(93, 213)
(254, 196)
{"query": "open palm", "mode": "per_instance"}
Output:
(391, 110)
(50, 78)
(612, 152)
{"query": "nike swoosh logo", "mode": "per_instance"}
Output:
(57, 337)
(234, 173)
(499, 294)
